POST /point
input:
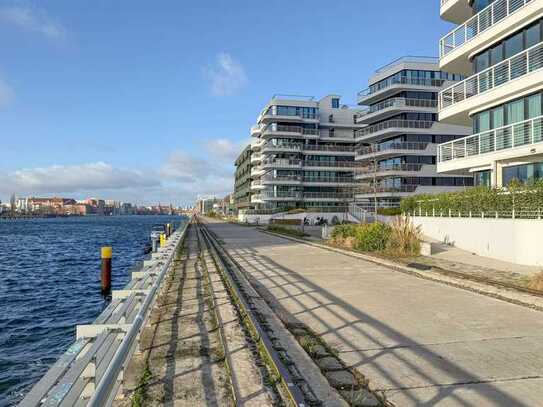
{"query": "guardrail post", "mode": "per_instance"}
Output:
(449, 212)
(105, 274)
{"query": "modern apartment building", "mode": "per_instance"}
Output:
(396, 151)
(497, 45)
(303, 154)
(242, 182)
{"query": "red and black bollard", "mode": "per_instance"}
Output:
(106, 271)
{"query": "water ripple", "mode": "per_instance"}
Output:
(49, 282)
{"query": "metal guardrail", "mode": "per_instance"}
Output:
(402, 102)
(402, 80)
(501, 214)
(403, 124)
(90, 368)
(414, 146)
(507, 137)
(512, 68)
(483, 20)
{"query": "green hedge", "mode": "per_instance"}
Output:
(517, 196)
(369, 237)
(389, 211)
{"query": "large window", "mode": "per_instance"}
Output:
(524, 173)
(518, 42)
(482, 178)
(518, 110)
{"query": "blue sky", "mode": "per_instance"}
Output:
(150, 101)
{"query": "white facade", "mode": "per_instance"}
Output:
(303, 154)
(499, 48)
(397, 149)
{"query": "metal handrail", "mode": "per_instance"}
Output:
(380, 189)
(402, 102)
(390, 167)
(512, 68)
(408, 124)
(328, 195)
(337, 164)
(502, 138)
(326, 147)
(283, 161)
(286, 146)
(415, 146)
(480, 22)
(403, 80)
(105, 386)
(329, 179)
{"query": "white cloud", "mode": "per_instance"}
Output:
(6, 94)
(180, 180)
(226, 75)
(32, 19)
(225, 149)
(73, 178)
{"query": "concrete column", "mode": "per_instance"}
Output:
(495, 180)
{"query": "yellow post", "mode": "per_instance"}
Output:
(106, 253)
(162, 240)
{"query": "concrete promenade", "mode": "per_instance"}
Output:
(423, 343)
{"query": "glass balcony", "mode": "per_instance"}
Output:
(507, 137)
(479, 23)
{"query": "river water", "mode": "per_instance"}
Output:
(50, 281)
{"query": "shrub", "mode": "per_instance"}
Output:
(405, 237)
(536, 282)
(389, 211)
(367, 237)
(517, 196)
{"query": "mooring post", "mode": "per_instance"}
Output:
(154, 243)
(162, 240)
(106, 253)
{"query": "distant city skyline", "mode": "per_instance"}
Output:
(140, 103)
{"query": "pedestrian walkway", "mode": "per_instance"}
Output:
(423, 343)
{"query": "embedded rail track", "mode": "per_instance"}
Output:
(293, 388)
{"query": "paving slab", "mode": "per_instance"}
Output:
(419, 341)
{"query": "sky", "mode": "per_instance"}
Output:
(151, 101)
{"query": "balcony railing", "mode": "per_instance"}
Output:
(402, 102)
(282, 194)
(389, 168)
(336, 164)
(503, 138)
(329, 179)
(369, 189)
(404, 124)
(283, 146)
(479, 23)
(402, 80)
(282, 178)
(328, 195)
(284, 128)
(443, 2)
(278, 162)
(393, 146)
(512, 68)
(326, 147)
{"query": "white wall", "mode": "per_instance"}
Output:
(515, 241)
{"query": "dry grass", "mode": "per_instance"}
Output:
(405, 237)
(536, 282)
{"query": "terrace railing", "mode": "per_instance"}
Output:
(401, 80)
(479, 23)
(404, 124)
(502, 138)
(415, 146)
(512, 68)
(402, 102)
